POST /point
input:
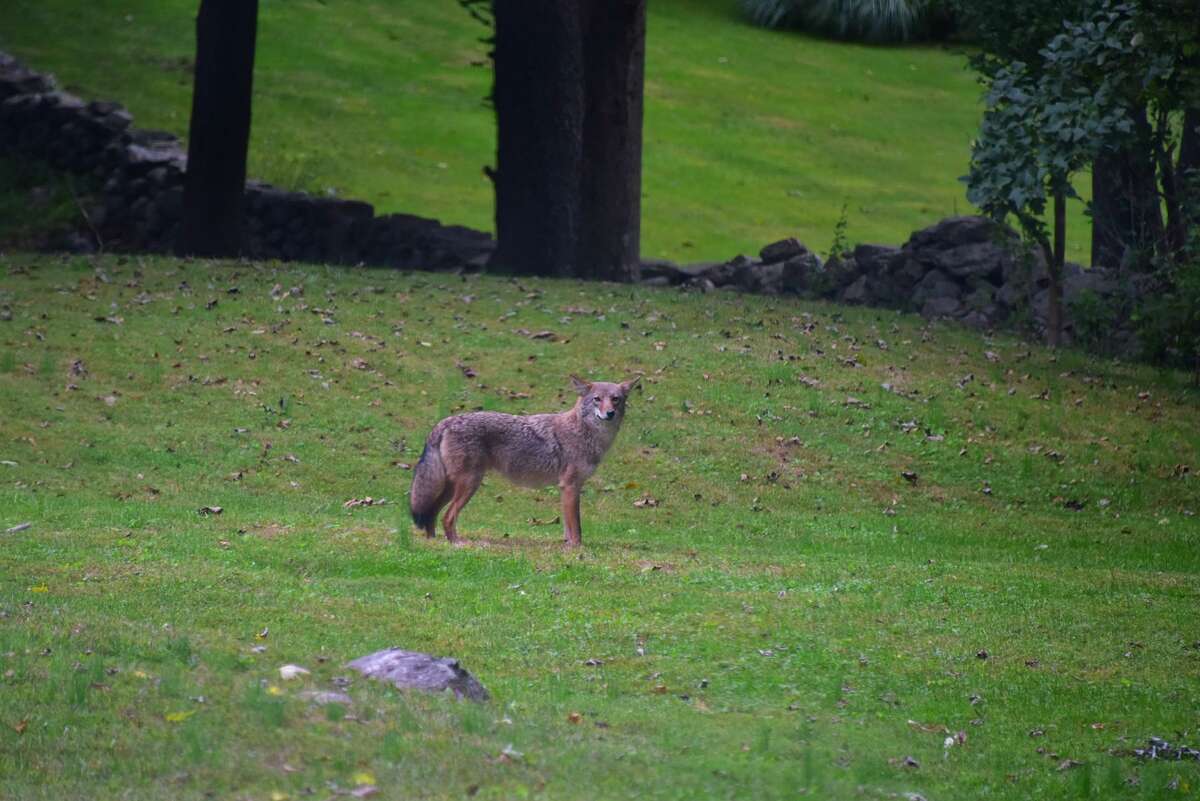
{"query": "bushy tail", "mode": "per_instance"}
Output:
(428, 485)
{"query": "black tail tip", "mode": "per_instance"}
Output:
(425, 520)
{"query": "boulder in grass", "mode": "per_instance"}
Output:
(417, 671)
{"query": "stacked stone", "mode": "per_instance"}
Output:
(968, 269)
(142, 175)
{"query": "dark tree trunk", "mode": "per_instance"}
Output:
(1054, 313)
(220, 128)
(1127, 223)
(1189, 166)
(614, 42)
(538, 95)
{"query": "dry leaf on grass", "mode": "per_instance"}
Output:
(289, 672)
(367, 501)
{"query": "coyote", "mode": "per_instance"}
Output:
(531, 450)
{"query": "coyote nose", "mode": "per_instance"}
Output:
(610, 414)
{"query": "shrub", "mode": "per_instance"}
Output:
(1168, 323)
(859, 20)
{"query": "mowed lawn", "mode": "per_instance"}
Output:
(751, 135)
(790, 614)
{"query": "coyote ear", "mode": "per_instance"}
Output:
(580, 386)
(631, 383)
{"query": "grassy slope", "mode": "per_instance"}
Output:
(750, 135)
(793, 626)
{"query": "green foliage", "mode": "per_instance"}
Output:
(1095, 317)
(840, 245)
(1046, 122)
(877, 21)
(1168, 323)
(35, 203)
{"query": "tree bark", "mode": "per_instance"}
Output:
(614, 42)
(219, 133)
(1054, 312)
(1189, 166)
(538, 96)
(1127, 225)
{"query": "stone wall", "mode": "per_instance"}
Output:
(966, 269)
(141, 175)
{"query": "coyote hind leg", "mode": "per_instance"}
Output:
(463, 489)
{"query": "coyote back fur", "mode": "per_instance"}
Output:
(532, 450)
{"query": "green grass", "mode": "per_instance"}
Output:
(750, 135)
(796, 600)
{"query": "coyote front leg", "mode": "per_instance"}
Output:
(570, 487)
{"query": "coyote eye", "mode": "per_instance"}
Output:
(596, 399)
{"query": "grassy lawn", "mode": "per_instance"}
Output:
(751, 135)
(793, 616)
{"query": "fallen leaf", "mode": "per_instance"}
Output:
(20, 726)
(289, 672)
(364, 777)
(178, 717)
(574, 717)
(646, 502)
(928, 728)
(367, 501)
(18, 527)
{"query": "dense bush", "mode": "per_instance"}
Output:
(877, 21)
(1168, 324)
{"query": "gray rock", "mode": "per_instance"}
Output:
(941, 307)
(797, 270)
(662, 268)
(782, 250)
(766, 279)
(976, 319)
(935, 284)
(842, 271)
(981, 297)
(907, 271)
(873, 259)
(701, 284)
(1013, 295)
(973, 260)
(966, 247)
(417, 671)
(857, 292)
(955, 231)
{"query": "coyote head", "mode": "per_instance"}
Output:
(603, 401)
